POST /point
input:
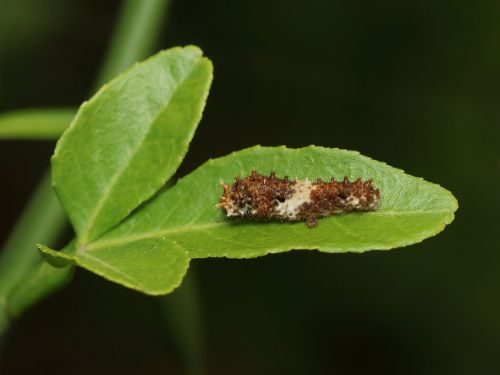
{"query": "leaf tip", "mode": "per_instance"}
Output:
(190, 49)
(55, 258)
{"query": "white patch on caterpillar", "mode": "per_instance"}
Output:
(301, 194)
(359, 202)
(232, 210)
(353, 201)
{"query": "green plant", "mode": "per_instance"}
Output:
(24, 276)
(128, 140)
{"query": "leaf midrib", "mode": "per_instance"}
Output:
(101, 244)
(84, 236)
(132, 280)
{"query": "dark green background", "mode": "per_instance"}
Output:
(413, 83)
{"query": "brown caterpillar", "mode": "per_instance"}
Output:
(269, 197)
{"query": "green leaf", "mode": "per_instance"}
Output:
(35, 123)
(129, 139)
(411, 209)
(154, 265)
(59, 259)
(185, 216)
(22, 277)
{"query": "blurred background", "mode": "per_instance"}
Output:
(415, 84)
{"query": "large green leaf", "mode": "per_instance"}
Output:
(35, 123)
(185, 217)
(129, 139)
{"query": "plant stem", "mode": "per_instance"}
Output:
(35, 123)
(183, 319)
(135, 33)
(43, 220)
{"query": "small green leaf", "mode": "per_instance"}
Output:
(153, 266)
(35, 123)
(59, 259)
(411, 209)
(150, 250)
(129, 139)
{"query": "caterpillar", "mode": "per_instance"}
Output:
(269, 197)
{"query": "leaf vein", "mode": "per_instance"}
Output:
(103, 243)
(115, 178)
(112, 268)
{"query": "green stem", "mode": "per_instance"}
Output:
(183, 319)
(43, 220)
(35, 123)
(135, 33)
